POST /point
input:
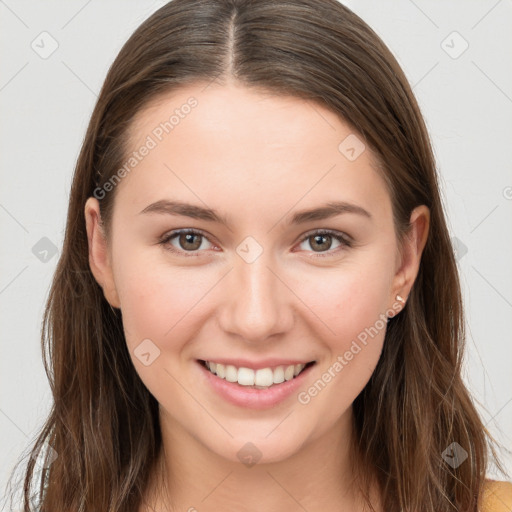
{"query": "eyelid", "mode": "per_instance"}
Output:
(345, 240)
(167, 237)
(326, 231)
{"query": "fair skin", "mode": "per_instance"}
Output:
(257, 160)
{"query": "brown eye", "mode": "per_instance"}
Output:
(187, 241)
(321, 242)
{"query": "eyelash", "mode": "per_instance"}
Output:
(343, 239)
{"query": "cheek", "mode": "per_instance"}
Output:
(349, 301)
(159, 301)
(161, 304)
(352, 306)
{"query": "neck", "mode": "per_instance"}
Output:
(319, 476)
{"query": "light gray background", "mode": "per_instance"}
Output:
(46, 104)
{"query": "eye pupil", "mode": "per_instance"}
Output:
(191, 241)
(186, 238)
(321, 237)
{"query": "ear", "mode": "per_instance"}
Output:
(409, 262)
(99, 254)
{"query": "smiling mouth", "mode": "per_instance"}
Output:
(262, 378)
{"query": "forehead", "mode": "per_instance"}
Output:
(231, 145)
(262, 120)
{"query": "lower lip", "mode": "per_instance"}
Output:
(253, 398)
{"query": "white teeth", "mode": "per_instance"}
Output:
(279, 375)
(231, 373)
(288, 373)
(220, 371)
(245, 376)
(262, 378)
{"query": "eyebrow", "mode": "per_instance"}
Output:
(331, 209)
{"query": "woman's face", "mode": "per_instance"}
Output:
(255, 287)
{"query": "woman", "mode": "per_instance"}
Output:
(257, 305)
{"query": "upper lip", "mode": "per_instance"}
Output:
(256, 365)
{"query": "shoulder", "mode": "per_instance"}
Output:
(497, 496)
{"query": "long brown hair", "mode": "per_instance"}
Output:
(103, 425)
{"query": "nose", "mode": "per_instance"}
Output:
(258, 305)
